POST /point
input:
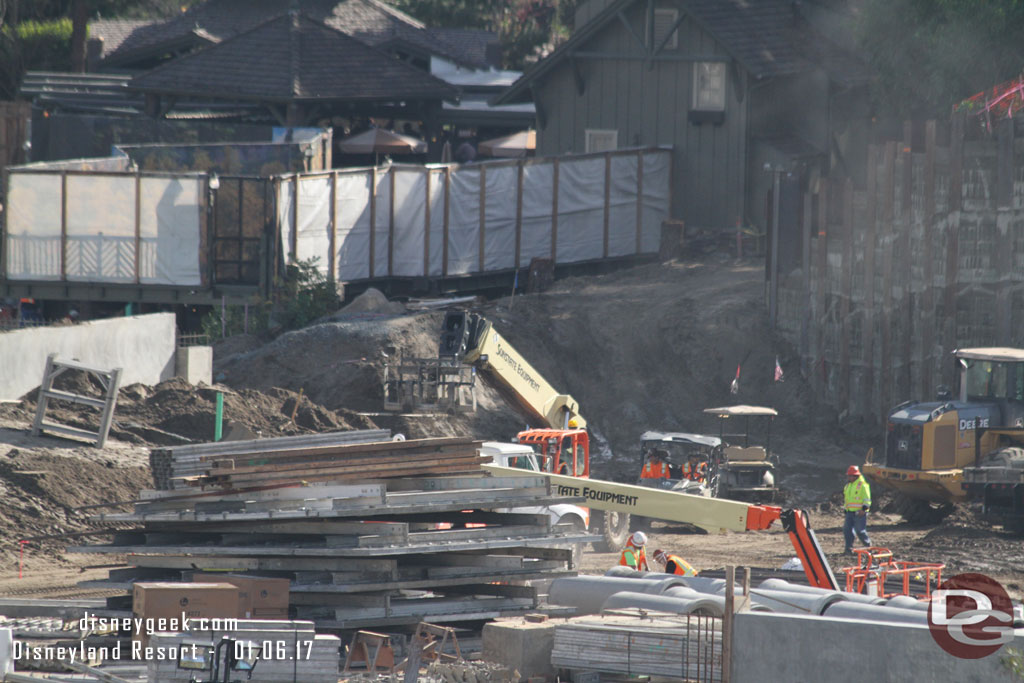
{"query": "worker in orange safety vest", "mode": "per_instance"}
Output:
(656, 467)
(695, 470)
(674, 564)
(633, 554)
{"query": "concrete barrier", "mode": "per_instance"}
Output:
(143, 345)
(790, 647)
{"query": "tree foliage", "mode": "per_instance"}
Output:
(308, 295)
(527, 29)
(931, 54)
(37, 34)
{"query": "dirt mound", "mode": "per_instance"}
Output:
(372, 301)
(647, 347)
(40, 491)
(340, 365)
(175, 412)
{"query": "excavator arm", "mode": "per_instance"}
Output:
(715, 515)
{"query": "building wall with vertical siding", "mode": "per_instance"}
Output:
(647, 103)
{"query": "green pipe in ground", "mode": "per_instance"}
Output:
(218, 428)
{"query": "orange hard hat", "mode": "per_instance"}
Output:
(853, 471)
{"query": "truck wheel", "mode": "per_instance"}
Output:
(916, 511)
(613, 527)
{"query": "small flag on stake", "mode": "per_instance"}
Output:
(735, 386)
(778, 370)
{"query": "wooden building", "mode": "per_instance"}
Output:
(734, 86)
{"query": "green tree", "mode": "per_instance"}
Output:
(931, 54)
(308, 295)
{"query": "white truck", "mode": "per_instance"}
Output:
(522, 457)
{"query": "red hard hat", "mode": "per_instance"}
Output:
(853, 471)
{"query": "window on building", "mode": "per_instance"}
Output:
(602, 140)
(709, 86)
(664, 21)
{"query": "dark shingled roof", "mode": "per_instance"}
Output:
(372, 21)
(115, 32)
(290, 58)
(767, 37)
(477, 44)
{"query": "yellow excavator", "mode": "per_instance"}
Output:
(928, 444)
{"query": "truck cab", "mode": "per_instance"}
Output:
(523, 457)
(559, 451)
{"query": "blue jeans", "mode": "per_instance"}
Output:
(855, 523)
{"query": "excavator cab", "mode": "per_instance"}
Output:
(929, 443)
(561, 451)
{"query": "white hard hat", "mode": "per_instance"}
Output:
(639, 538)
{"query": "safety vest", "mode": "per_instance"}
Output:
(654, 469)
(857, 494)
(695, 473)
(634, 557)
(677, 565)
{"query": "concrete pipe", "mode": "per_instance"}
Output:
(705, 585)
(588, 593)
(851, 610)
(907, 602)
(783, 585)
(795, 603)
(630, 573)
(684, 592)
(710, 605)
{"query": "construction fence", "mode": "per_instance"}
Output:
(438, 221)
(926, 257)
(105, 221)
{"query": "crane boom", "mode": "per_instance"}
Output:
(715, 515)
(488, 350)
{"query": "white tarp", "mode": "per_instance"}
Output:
(170, 209)
(352, 213)
(101, 242)
(464, 222)
(101, 228)
(410, 222)
(286, 216)
(500, 218)
(413, 246)
(437, 209)
(313, 239)
(655, 199)
(382, 227)
(622, 206)
(33, 249)
(538, 190)
(580, 210)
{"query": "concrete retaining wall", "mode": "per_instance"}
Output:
(786, 647)
(144, 346)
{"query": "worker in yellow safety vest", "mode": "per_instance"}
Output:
(633, 554)
(856, 502)
(674, 564)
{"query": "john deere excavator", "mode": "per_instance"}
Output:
(928, 444)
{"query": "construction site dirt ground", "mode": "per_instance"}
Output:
(644, 347)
